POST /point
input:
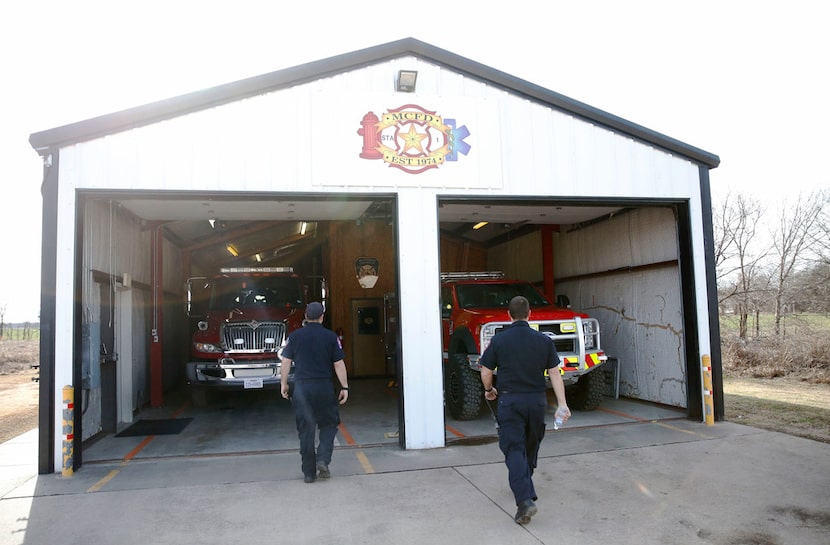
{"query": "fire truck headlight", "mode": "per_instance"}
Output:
(202, 325)
(590, 331)
(206, 347)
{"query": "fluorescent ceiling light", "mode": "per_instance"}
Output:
(479, 225)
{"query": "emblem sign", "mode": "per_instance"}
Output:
(366, 270)
(412, 139)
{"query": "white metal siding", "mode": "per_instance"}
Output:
(305, 139)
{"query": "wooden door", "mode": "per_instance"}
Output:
(368, 349)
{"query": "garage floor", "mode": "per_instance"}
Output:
(261, 421)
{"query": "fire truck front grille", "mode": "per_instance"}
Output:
(564, 342)
(253, 336)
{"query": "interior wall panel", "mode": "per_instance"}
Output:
(640, 311)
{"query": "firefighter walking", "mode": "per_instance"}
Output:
(522, 355)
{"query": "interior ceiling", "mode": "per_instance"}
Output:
(272, 228)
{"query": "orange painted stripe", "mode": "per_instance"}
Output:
(346, 435)
(454, 431)
(130, 455)
(609, 411)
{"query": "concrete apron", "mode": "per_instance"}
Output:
(262, 422)
(641, 482)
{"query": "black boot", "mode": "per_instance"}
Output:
(526, 510)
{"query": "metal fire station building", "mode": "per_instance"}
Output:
(389, 154)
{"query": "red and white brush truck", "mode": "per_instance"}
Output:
(474, 309)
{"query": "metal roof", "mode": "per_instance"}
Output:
(160, 110)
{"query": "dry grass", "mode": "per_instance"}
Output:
(779, 383)
(783, 404)
(18, 356)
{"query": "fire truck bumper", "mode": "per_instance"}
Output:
(234, 375)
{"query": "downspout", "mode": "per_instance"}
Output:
(48, 287)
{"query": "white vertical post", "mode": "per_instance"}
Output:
(423, 386)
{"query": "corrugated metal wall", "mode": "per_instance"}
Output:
(304, 139)
(638, 304)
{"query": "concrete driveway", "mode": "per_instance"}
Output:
(652, 482)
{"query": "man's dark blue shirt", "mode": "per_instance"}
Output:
(521, 355)
(313, 349)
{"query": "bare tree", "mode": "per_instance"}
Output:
(736, 224)
(795, 231)
(725, 223)
(820, 240)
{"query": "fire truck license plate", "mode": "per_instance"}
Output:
(253, 383)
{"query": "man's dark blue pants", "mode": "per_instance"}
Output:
(521, 420)
(315, 406)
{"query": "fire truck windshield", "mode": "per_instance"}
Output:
(265, 291)
(495, 295)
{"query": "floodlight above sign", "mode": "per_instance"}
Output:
(406, 81)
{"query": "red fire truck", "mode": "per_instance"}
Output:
(244, 316)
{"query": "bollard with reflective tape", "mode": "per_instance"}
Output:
(68, 430)
(708, 401)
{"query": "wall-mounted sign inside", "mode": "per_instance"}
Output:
(412, 139)
(366, 269)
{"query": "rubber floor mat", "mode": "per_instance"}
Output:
(155, 426)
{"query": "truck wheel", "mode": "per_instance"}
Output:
(587, 393)
(463, 389)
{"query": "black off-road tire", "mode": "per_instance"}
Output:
(587, 393)
(462, 388)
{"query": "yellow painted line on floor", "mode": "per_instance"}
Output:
(100, 484)
(675, 428)
(668, 426)
(130, 455)
(364, 461)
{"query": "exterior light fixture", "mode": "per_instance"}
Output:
(232, 250)
(303, 227)
(479, 225)
(258, 258)
(406, 81)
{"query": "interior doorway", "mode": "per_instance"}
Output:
(369, 350)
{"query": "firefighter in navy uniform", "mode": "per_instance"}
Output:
(522, 355)
(315, 351)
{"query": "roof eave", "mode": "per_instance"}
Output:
(160, 110)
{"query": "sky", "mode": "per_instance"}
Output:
(745, 80)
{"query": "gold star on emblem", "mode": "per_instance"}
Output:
(413, 139)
